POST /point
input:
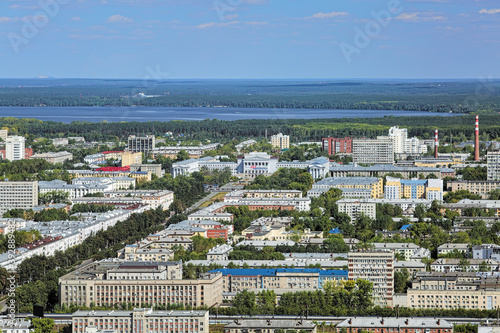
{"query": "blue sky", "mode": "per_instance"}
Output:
(249, 38)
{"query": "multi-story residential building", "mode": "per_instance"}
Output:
(14, 148)
(141, 321)
(130, 157)
(18, 325)
(220, 252)
(355, 207)
(207, 214)
(58, 157)
(406, 250)
(453, 265)
(405, 145)
(18, 195)
(207, 228)
(155, 169)
(280, 141)
(396, 188)
(438, 290)
(109, 282)
(259, 194)
(143, 144)
(152, 198)
(373, 151)
(375, 185)
(237, 279)
(270, 326)
(337, 145)
(95, 158)
(135, 252)
(479, 187)
(486, 251)
(4, 132)
(493, 165)
(193, 151)
(450, 247)
(378, 268)
(8, 225)
(393, 324)
(491, 206)
(137, 175)
(381, 170)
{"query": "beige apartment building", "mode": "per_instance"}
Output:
(479, 187)
(22, 195)
(59, 157)
(378, 268)
(112, 281)
(129, 158)
(438, 290)
(141, 321)
(280, 141)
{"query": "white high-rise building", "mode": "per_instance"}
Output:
(493, 164)
(399, 137)
(14, 148)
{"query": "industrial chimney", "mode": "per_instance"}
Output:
(476, 146)
(436, 144)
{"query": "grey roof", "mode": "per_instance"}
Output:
(271, 324)
(332, 181)
(379, 322)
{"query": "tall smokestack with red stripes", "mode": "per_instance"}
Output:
(436, 144)
(476, 147)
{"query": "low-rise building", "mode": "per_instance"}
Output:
(59, 157)
(155, 169)
(18, 325)
(406, 250)
(478, 187)
(486, 251)
(141, 321)
(220, 252)
(450, 247)
(393, 324)
(454, 265)
(270, 325)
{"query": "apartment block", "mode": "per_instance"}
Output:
(155, 169)
(14, 148)
(113, 281)
(337, 145)
(22, 195)
(450, 247)
(479, 187)
(378, 268)
(493, 165)
(280, 141)
(373, 184)
(141, 321)
(238, 279)
(143, 144)
(431, 189)
(355, 207)
(373, 151)
(130, 157)
(438, 290)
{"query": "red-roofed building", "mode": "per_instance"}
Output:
(127, 168)
(113, 154)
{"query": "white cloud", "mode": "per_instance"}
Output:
(119, 19)
(5, 19)
(321, 15)
(418, 17)
(489, 11)
(76, 19)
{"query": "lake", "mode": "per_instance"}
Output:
(143, 114)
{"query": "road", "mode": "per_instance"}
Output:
(200, 202)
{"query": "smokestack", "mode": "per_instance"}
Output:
(476, 147)
(436, 144)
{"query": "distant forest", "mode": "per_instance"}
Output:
(446, 96)
(460, 127)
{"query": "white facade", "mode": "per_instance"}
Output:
(493, 165)
(14, 148)
(23, 195)
(369, 151)
(355, 207)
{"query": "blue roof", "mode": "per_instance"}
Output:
(414, 181)
(273, 271)
(405, 227)
(336, 231)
